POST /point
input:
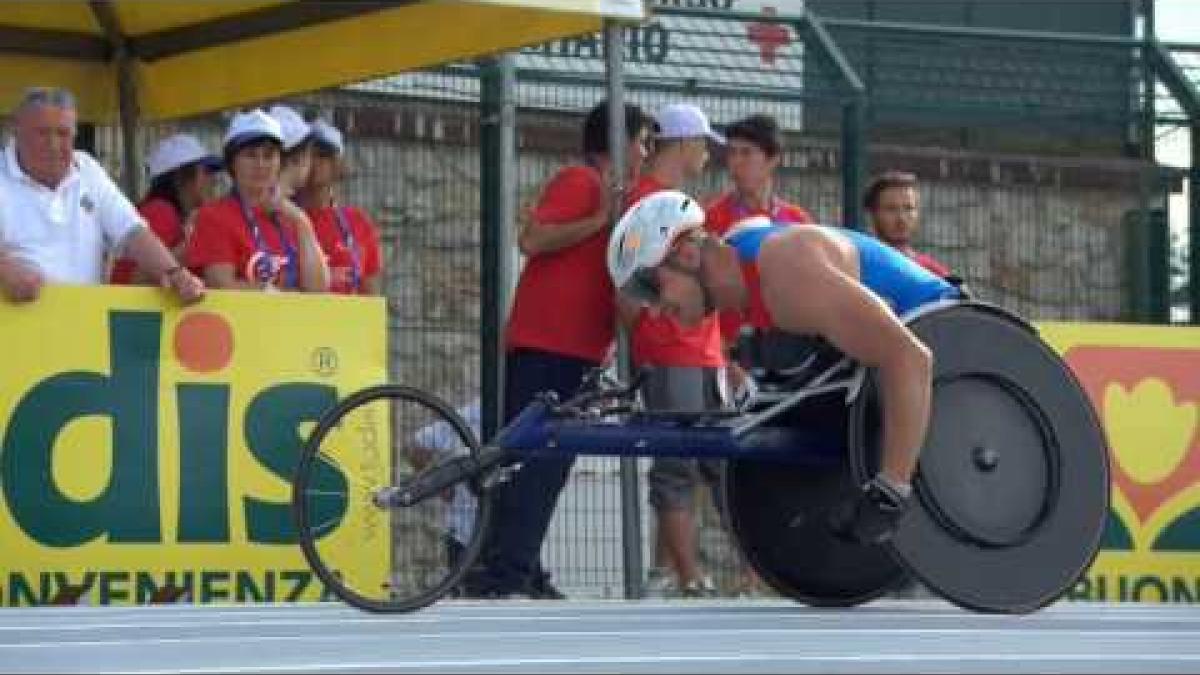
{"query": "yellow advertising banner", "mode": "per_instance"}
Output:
(146, 446)
(1144, 382)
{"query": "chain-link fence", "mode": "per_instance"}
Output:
(1173, 133)
(1036, 184)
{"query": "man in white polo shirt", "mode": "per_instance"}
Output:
(60, 213)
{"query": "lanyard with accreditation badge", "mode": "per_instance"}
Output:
(343, 223)
(742, 210)
(260, 244)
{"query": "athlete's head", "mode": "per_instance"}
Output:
(656, 256)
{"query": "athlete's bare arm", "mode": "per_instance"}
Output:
(810, 287)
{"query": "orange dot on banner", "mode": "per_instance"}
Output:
(203, 342)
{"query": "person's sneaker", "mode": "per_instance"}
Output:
(698, 588)
(871, 516)
(658, 583)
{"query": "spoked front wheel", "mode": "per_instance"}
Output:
(375, 556)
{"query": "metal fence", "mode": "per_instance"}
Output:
(1034, 188)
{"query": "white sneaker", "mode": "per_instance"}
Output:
(658, 583)
(699, 588)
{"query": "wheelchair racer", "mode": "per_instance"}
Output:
(839, 284)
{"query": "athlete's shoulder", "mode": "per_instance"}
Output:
(796, 247)
(807, 236)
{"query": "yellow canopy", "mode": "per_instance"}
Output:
(188, 57)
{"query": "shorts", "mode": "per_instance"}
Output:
(672, 481)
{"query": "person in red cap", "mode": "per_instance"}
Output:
(347, 235)
(256, 239)
(182, 179)
(893, 208)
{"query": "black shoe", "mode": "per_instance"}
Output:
(494, 593)
(540, 588)
(871, 516)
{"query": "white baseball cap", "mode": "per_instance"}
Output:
(250, 126)
(327, 134)
(177, 151)
(642, 239)
(293, 127)
(684, 120)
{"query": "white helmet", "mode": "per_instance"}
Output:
(643, 237)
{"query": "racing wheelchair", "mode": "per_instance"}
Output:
(1011, 495)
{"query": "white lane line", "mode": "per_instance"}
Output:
(282, 622)
(156, 617)
(574, 662)
(275, 620)
(451, 625)
(627, 634)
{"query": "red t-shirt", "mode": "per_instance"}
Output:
(930, 263)
(728, 209)
(349, 267)
(222, 235)
(163, 220)
(659, 340)
(564, 302)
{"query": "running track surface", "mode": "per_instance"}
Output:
(891, 636)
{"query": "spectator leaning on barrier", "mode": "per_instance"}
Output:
(182, 174)
(346, 234)
(255, 238)
(893, 209)
(61, 216)
(688, 361)
(561, 326)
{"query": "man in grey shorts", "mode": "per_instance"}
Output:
(672, 481)
(685, 357)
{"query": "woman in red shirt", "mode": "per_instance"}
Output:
(254, 238)
(182, 174)
(347, 236)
